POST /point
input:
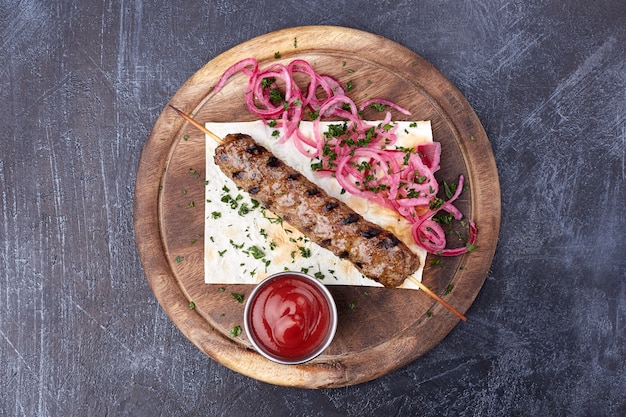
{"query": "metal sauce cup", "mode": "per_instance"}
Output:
(290, 318)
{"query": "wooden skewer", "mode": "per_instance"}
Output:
(413, 279)
(198, 125)
(435, 297)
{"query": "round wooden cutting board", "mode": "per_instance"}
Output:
(379, 329)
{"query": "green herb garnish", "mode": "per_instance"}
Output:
(256, 252)
(235, 331)
(238, 297)
(378, 106)
(470, 247)
(244, 209)
(437, 262)
(276, 96)
(267, 82)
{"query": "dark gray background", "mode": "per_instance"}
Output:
(81, 84)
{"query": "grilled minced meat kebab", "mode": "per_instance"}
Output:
(330, 223)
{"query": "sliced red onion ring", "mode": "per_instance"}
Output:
(363, 158)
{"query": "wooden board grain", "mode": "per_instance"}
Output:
(379, 330)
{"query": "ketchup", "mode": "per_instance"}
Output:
(290, 317)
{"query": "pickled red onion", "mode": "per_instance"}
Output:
(362, 157)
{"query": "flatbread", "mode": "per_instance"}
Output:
(243, 244)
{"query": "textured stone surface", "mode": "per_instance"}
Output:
(81, 84)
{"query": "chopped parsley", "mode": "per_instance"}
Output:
(236, 246)
(317, 166)
(336, 130)
(256, 252)
(378, 106)
(470, 247)
(232, 202)
(273, 220)
(444, 218)
(238, 297)
(244, 209)
(450, 189)
(276, 96)
(268, 82)
(437, 262)
(235, 331)
(436, 203)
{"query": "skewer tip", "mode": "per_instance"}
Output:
(435, 297)
(197, 124)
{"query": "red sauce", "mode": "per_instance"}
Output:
(290, 317)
